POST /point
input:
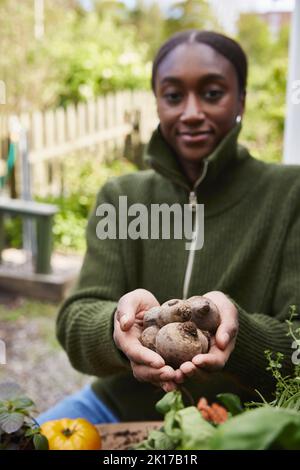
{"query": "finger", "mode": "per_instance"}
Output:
(179, 377)
(133, 349)
(141, 355)
(167, 373)
(211, 362)
(226, 332)
(146, 374)
(127, 309)
(125, 316)
(168, 386)
(133, 302)
(188, 369)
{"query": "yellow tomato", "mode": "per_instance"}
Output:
(71, 434)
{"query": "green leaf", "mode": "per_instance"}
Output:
(157, 440)
(31, 431)
(11, 422)
(172, 426)
(22, 402)
(259, 429)
(231, 402)
(40, 442)
(4, 405)
(170, 401)
(9, 390)
(196, 432)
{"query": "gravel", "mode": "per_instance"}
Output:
(34, 359)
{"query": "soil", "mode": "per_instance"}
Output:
(34, 359)
(124, 436)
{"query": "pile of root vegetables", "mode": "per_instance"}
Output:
(178, 330)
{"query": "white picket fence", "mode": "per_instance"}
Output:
(101, 126)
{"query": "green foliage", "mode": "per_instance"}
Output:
(266, 96)
(274, 425)
(171, 401)
(231, 402)
(255, 36)
(113, 61)
(287, 392)
(179, 427)
(82, 182)
(190, 14)
(262, 428)
(265, 111)
(259, 429)
(18, 428)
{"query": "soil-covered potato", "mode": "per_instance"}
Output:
(172, 311)
(180, 342)
(148, 338)
(150, 317)
(178, 330)
(204, 313)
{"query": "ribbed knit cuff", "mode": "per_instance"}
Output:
(85, 330)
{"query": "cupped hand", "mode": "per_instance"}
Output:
(222, 344)
(147, 365)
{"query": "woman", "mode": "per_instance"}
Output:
(249, 264)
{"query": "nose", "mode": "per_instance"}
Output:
(192, 111)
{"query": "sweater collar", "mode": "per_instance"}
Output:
(161, 157)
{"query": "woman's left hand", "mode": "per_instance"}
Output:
(222, 344)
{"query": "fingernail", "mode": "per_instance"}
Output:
(157, 364)
(124, 320)
(226, 338)
(197, 361)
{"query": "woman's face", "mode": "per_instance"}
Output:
(198, 100)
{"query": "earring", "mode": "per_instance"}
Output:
(238, 119)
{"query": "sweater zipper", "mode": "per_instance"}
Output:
(191, 258)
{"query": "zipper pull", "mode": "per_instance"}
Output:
(193, 200)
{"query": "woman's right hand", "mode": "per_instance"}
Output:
(147, 365)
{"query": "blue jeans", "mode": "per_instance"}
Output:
(83, 404)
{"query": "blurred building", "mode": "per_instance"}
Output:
(276, 20)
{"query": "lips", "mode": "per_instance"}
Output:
(194, 137)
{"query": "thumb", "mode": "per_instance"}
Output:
(226, 332)
(126, 311)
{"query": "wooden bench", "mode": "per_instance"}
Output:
(43, 216)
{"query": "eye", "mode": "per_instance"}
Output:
(214, 94)
(173, 97)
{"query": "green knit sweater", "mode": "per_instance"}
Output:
(251, 253)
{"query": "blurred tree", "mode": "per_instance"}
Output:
(106, 58)
(23, 62)
(149, 23)
(268, 59)
(115, 9)
(190, 14)
(80, 55)
(255, 36)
